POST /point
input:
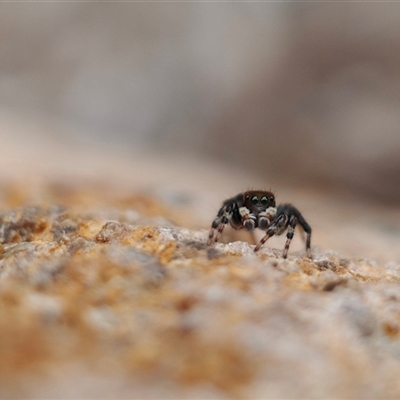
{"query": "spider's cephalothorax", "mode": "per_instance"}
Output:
(256, 209)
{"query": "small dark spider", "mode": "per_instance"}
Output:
(256, 209)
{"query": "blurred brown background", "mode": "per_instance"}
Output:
(213, 97)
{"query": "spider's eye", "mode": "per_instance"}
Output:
(264, 200)
(254, 200)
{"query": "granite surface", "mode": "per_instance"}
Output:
(107, 294)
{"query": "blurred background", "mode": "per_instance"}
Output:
(216, 96)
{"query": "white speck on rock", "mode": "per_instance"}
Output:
(49, 308)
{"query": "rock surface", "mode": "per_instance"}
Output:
(122, 298)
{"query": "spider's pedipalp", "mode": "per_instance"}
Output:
(248, 219)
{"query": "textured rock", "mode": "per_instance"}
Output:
(122, 300)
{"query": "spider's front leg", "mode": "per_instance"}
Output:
(234, 213)
(224, 216)
(287, 217)
(217, 225)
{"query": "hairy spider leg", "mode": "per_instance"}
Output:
(287, 217)
(219, 224)
(277, 227)
(289, 209)
(308, 244)
(210, 237)
(307, 230)
(289, 235)
(228, 214)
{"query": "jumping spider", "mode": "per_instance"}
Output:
(256, 209)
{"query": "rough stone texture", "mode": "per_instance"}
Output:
(112, 295)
